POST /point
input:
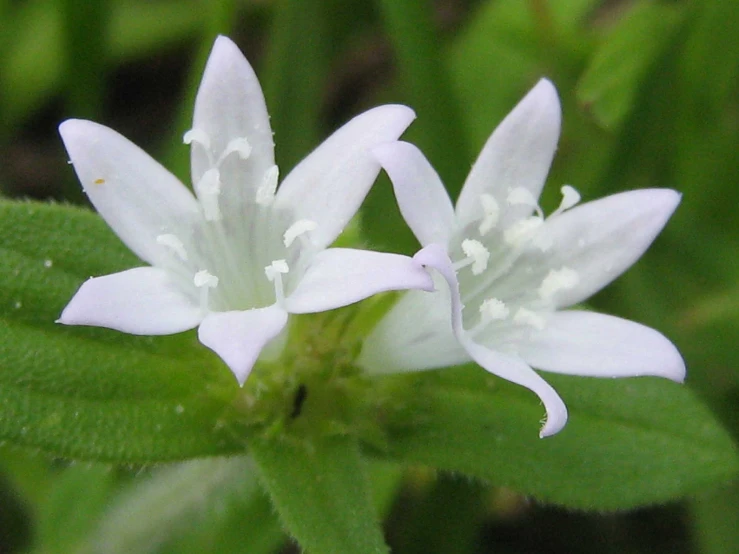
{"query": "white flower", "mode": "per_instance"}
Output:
(514, 269)
(240, 255)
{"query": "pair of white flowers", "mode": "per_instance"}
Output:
(239, 255)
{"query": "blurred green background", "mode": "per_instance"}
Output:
(650, 94)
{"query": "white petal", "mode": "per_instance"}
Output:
(517, 154)
(602, 239)
(230, 106)
(341, 276)
(136, 196)
(587, 343)
(330, 184)
(416, 334)
(505, 366)
(238, 337)
(422, 198)
(140, 301)
(516, 371)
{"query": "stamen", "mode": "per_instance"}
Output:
(493, 309)
(204, 280)
(492, 213)
(522, 230)
(208, 189)
(298, 228)
(570, 198)
(240, 146)
(197, 135)
(479, 255)
(174, 244)
(527, 317)
(557, 280)
(274, 272)
(521, 196)
(268, 188)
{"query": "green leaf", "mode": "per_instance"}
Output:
(213, 505)
(294, 77)
(85, 487)
(94, 393)
(628, 442)
(611, 83)
(321, 491)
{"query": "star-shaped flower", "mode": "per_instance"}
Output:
(239, 255)
(514, 269)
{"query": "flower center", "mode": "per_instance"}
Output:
(218, 260)
(505, 300)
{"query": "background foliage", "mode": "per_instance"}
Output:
(650, 98)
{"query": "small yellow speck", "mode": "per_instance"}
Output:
(99, 181)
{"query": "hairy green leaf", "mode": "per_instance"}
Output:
(94, 393)
(321, 491)
(628, 442)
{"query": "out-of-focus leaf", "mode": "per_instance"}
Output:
(72, 507)
(710, 61)
(94, 393)
(502, 52)
(628, 442)
(715, 515)
(212, 505)
(36, 41)
(439, 131)
(610, 85)
(294, 77)
(139, 28)
(321, 491)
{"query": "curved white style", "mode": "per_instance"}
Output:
(505, 270)
(240, 254)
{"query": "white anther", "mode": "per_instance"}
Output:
(274, 273)
(522, 230)
(205, 279)
(174, 244)
(208, 189)
(268, 188)
(570, 198)
(527, 317)
(275, 269)
(492, 309)
(479, 255)
(197, 135)
(521, 196)
(557, 280)
(240, 146)
(298, 228)
(492, 213)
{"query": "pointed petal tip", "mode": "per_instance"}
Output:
(225, 46)
(544, 92)
(72, 130)
(238, 337)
